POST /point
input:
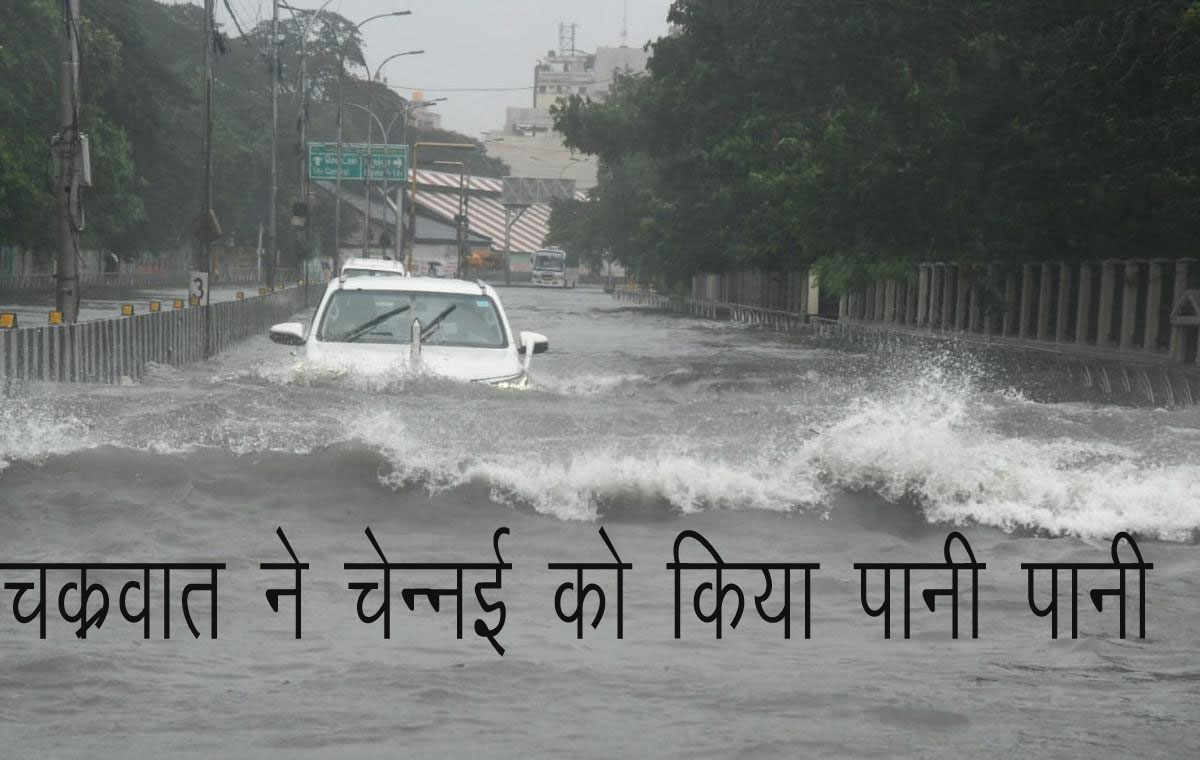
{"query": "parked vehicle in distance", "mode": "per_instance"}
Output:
(372, 268)
(552, 268)
(451, 328)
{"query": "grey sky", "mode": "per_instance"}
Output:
(477, 44)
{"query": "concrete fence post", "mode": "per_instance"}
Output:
(923, 274)
(1108, 297)
(1083, 310)
(1011, 317)
(1024, 331)
(949, 280)
(991, 280)
(974, 312)
(1045, 300)
(1130, 280)
(936, 293)
(1154, 299)
(962, 293)
(1062, 320)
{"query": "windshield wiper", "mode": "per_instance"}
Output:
(436, 321)
(361, 330)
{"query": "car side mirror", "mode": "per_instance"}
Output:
(288, 333)
(531, 340)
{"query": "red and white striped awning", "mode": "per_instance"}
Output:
(437, 192)
(450, 180)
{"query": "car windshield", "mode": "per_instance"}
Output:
(549, 262)
(473, 321)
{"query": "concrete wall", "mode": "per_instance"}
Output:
(793, 292)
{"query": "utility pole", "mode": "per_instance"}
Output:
(304, 186)
(272, 243)
(305, 191)
(66, 296)
(208, 223)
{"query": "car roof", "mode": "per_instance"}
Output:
(420, 284)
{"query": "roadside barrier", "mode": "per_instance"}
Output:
(1155, 378)
(773, 319)
(111, 350)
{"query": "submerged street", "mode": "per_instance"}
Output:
(775, 447)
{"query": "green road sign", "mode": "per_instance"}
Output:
(388, 162)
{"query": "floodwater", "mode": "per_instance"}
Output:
(773, 447)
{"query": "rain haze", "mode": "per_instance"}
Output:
(829, 387)
(479, 54)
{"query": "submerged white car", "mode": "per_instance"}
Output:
(451, 328)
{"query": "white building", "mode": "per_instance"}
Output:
(528, 143)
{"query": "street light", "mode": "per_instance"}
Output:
(337, 192)
(370, 133)
(568, 165)
(570, 160)
(404, 112)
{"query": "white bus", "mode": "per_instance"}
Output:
(553, 269)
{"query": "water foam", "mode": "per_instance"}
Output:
(936, 443)
(31, 432)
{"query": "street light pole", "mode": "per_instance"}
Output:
(304, 178)
(272, 242)
(460, 218)
(370, 132)
(407, 111)
(337, 193)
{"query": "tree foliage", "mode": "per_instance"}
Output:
(143, 98)
(854, 135)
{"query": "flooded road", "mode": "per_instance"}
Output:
(774, 447)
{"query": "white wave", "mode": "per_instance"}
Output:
(576, 485)
(577, 488)
(934, 441)
(30, 433)
(587, 384)
(937, 445)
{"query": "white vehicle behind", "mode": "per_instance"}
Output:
(360, 267)
(449, 328)
(552, 270)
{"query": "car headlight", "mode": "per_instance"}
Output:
(519, 381)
